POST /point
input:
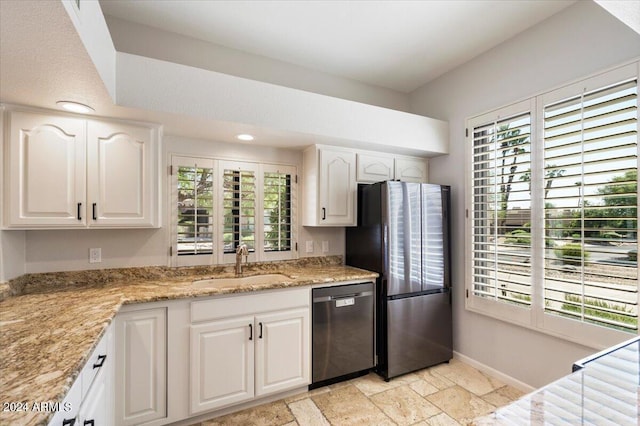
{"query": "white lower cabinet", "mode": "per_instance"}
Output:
(222, 359)
(282, 351)
(163, 362)
(141, 366)
(89, 401)
(262, 351)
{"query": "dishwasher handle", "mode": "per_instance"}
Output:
(322, 299)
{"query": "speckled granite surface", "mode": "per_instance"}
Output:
(51, 322)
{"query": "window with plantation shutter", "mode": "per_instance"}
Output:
(239, 208)
(501, 209)
(591, 206)
(552, 210)
(193, 202)
(277, 211)
(222, 204)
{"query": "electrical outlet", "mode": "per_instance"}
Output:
(95, 255)
(309, 246)
(325, 246)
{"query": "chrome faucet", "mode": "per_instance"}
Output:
(242, 250)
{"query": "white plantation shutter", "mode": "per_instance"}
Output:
(193, 203)
(501, 210)
(277, 211)
(239, 208)
(591, 203)
(222, 204)
(552, 211)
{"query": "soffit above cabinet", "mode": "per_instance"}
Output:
(188, 101)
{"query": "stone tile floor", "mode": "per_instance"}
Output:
(447, 394)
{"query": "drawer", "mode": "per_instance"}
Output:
(68, 411)
(249, 304)
(95, 363)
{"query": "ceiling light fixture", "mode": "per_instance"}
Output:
(75, 107)
(245, 137)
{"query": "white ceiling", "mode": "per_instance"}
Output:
(392, 44)
(400, 45)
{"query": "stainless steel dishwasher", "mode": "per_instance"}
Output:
(343, 332)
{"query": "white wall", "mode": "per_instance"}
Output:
(154, 43)
(65, 250)
(577, 42)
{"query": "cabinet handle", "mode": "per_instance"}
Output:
(94, 211)
(250, 331)
(324, 213)
(78, 213)
(260, 336)
(69, 422)
(100, 362)
(89, 423)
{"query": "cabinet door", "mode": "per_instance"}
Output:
(337, 188)
(282, 351)
(411, 170)
(374, 168)
(222, 356)
(141, 366)
(95, 410)
(121, 190)
(46, 171)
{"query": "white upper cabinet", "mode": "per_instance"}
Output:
(45, 171)
(69, 172)
(374, 168)
(411, 170)
(329, 187)
(120, 181)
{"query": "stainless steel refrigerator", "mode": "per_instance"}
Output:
(403, 234)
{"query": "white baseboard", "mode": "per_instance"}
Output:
(494, 373)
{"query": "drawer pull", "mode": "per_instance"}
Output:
(324, 213)
(94, 211)
(250, 331)
(69, 422)
(89, 423)
(100, 363)
(260, 336)
(78, 212)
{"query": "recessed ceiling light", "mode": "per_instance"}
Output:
(75, 107)
(245, 137)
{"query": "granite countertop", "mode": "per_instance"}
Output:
(50, 323)
(604, 391)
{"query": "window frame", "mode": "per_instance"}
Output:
(535, 317)
(219, 257)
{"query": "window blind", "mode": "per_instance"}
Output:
(590, 213)
(195, 210)
(239, 204)
(501, 210)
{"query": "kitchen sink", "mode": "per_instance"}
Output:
(241, 281)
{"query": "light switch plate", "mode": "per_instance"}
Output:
(309, 246)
